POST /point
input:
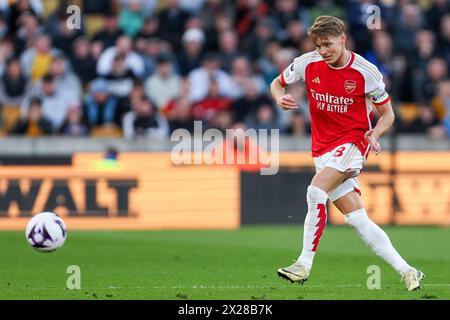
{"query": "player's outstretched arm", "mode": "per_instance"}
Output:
(383, 124)
(283, 100)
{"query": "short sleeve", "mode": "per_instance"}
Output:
(290, 75)
(375, 87)
(296, 70)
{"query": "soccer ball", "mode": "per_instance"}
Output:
(46, 232)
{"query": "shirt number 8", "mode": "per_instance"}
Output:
(339, 152)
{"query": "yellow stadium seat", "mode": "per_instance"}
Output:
(10, 115)
(106, 132)
(49, 7)
(439, 107)
(408, 112)
(94, 23)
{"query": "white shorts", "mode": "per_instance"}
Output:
(344, 158)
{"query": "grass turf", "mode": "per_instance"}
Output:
(211, 265)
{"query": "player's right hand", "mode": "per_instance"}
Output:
(286, 102)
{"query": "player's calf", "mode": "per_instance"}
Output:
(381, 245)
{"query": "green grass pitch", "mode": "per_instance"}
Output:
(240, 264)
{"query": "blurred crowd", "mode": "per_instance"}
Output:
(155, 66)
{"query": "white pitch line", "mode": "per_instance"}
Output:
(264, 287)
(227, 287)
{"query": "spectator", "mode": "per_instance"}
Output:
(381, 54)
(172, 20)
(179, 114)
(414, 72)
(151, 49)
(6, 52)
(191, 6)
(55, 105)
(191, 54)
(2, 124)
(3, 25)
(200, 79)
(425, 84)
(442, 106)
(285, 12)
(357, 17)
(411, 47)
(222, 120)
(148, 7)
(36, 60)
(409, 22)
(441, 102)
(425, 119)
(144, 121)
(33, 123)
(222, 24)
(295, 34)
(241, 72)
(19, 7)
(425, 50)
(264, 117)
(443, 48)
(216, 16)
(110, 33)
(98, 6)
(298, 126)
(125, 104)
(164, 85)
(96, 49)
(74, 125)
(120, 78)
(13, 84)
(266, 63)
(228, 48)
(83, 61)
(255, 44)
(435, 13)
(65, 37)
(150, 29)
(99, 106)
(210, 105)
(248, 13)
(131, 18)
(67, 81)
(248, 103)
(57, 17)
(326, 7)
(308, 46)
(28, 30)
(123, 47)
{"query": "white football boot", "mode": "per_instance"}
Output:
(295, 273)
(412, 279)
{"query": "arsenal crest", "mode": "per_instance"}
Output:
(349, 86)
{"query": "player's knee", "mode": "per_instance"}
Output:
(316, 195)
(356, 218)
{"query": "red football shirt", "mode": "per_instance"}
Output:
(340, 99)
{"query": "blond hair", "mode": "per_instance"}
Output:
(325, 26)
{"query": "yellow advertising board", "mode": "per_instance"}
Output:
(408, 188)
(147, 191)
(141, 191)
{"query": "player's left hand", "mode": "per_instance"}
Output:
(371, 138)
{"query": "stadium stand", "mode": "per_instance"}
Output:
(411, 47)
